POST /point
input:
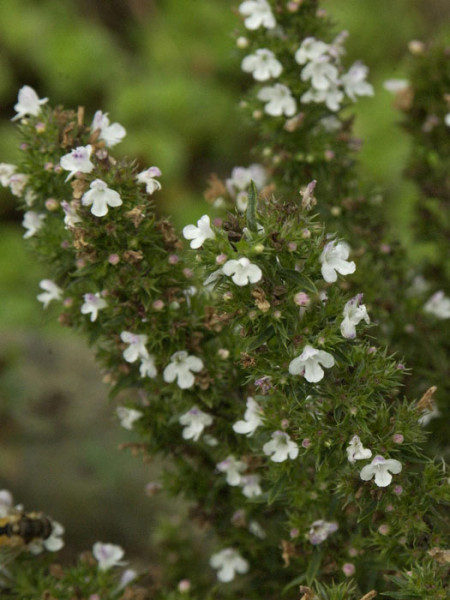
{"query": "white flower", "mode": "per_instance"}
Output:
(92, 304)
(32, 221)
(281, 447)
(147, 367)
(334, 260)
(429, 414)
(100, 196)
(17, 183)
(252, 418)
(250, 485)
(242, 271)
(310, 50)
(136, 346)
(77, 161)
(127, 416)
(199, 234)
(332, 97)
(354, 313)
(194, 422)
(255, 528)
(181, 368)
(111, 134)
(396, 85)
(355, 83)
(241, 177)
(322, 73)
(356, 451)
(6, 503)
(279, 100)
(6, 170)
(309, 364)
(107, 555)
(258, 13)
(148, 177)
(233, 469)
(262, 64)
(71, 217)
(127, 577)
(438, 305)
(53, 543)
(320, 530)
(52, 292)
(447, 119)
(380, 467)
(28, 103)
(228, 562)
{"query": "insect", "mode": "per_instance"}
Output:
(18, 529)
(27, 531)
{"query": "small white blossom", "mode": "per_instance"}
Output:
(429, 414)
(30, 197)
(332, 97)
(447, 119)
(53, 543)
(322, 74)
(127, 416)
(233, 469)
(280, 447)
(77, 161)
(6, 503)
(17, 183)
(71, 217)
(51, 292)
(262, 64)
(32, 221)
(148, 178)
(100, 196)
(279, 100)
(252, 418)
(228, 562)
(147, 367)
(194, 422)
(241, 178)
(6, 170)
(438, 305)
(396, 85)
(181, 368)
(320, 530)
(255, 528)
(199, 234)
(334, 260)
(258, 13)
(310, 50)
(112, 133)
(92, 304)
(28, 103)
(310, 363)
(127, 577)
(250, 485)
(356, 451)
(355, 83)
(354, 313)
(107, 555)
(242, 271)
(136, 346)
(380, 467)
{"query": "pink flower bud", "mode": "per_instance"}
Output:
(302, 299)
(184, 585)
(292, 246)
(398, 438)
(294, 532)
(306, 443)
(173, 259)
(158, 305)
(51, 204)
(188, 273)
(398, 490)
(113, 259)
(221, 258)
(384, 529)
(348, 569)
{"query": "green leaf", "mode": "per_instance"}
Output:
(294, 582)
(314, 566)
(251, 207)
(261, 338)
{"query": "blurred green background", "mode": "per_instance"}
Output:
(169, 72)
